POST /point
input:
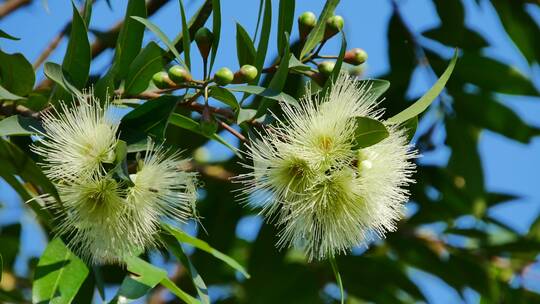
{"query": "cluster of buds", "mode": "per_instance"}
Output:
(175, 76)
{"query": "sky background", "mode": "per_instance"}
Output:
(510, 167)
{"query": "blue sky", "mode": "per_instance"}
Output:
(509, 166)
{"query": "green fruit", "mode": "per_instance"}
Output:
(326, 67)
(355, 56)
(223, 76)
(161, 80)
(306, 22)
(178, 74)
(334, 24)
(204, 39)
(246, 74)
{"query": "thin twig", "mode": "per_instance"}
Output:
(12, 5)
(232, 131)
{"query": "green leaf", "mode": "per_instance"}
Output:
(410, 125)
(152, 27)
(245, 49)
(368, 132)
(183, 237)
(1, 267)
(262, 47)
(87, 12)
(19, 125)
(5, 94)
(216, 30)
(337, 67)
(59, 275)
(193, 126)
(130, 38)
(145, 277)
(285, 21)
(148, 119)
(297, 65)
(421, 104)
(265, 92)
(186, 39)
(335, 269)
(16, 74)
(377, 87)
(55, 73)
(7, 36)
(245, 114)
(78, 54)
(120, 170)
(224, 96)
(16, 163)
(316, 35)
(146, 64)
(197, 280)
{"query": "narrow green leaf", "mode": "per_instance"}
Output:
(55, 73)
(259, 15)
(152, 27)
(245, 49)
(196, 278)
(1, 267)
(337, 67)
(265, 92)
(78, 54)
(59, 275)
(421, 104)
(245, 114)
(285, 21)
(369, 132)
(16, 74)
(186, 39)
(19, 125)
(377, 87)
(297, 65)
(224, 96)
(410, 125)
(7, 36)
(262, 47)
(146, 64)
(316, 35)
(216, 30)
(183, 237)
(7, 95)
(120, 170)
(335, 269)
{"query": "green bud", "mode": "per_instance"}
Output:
(204, 39)
(178, 74)
(355, 56)
(306, 22)
(161, 80)
(223, 76)
(334, 24)
(326, 67)
(246, 74)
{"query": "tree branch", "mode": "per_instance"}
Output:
(12, 5)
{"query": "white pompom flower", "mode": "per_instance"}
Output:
(325, 195)
(105, 219)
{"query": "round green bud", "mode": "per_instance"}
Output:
(326, 67)
(178, 74)
(204, 39)
(306, 22)
(355, 56)
(161, 80)
(334, 24)
(246, 74)
(223, 76)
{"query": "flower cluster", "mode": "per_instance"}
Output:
(103, 217)
(325, 195)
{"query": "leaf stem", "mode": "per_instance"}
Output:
(335, 269)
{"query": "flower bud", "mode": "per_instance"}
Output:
(326, 67)
(223, 76)
(178, 74)
(334, 24)
(306, 22)
(161, 80)
(204, 39)
(246, 74)
(355, 56)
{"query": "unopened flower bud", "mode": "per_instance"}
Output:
(161, 80)
(178, 74)
(326, 67)
(223, 76)
(246, 74)
(204, 39)
(355, 56)
(306, 22)
(334, 25)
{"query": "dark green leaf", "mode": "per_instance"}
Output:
(264, 92)
(337, 67)
(297, 65)
(465, 39)
(224, 96)
(59, 275)
(78, 54)
(316, 35)
(285, 22)
(146, 64)
(186, 38)
(368, 132)
(87, 12)
(7, 36)
(55, 73)
(262, 47)
(16, 74)
(216, 30)
(120, 170)
(5, 94)
(244, 46)
(421, 104)
(19, 125)
(183, 237)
